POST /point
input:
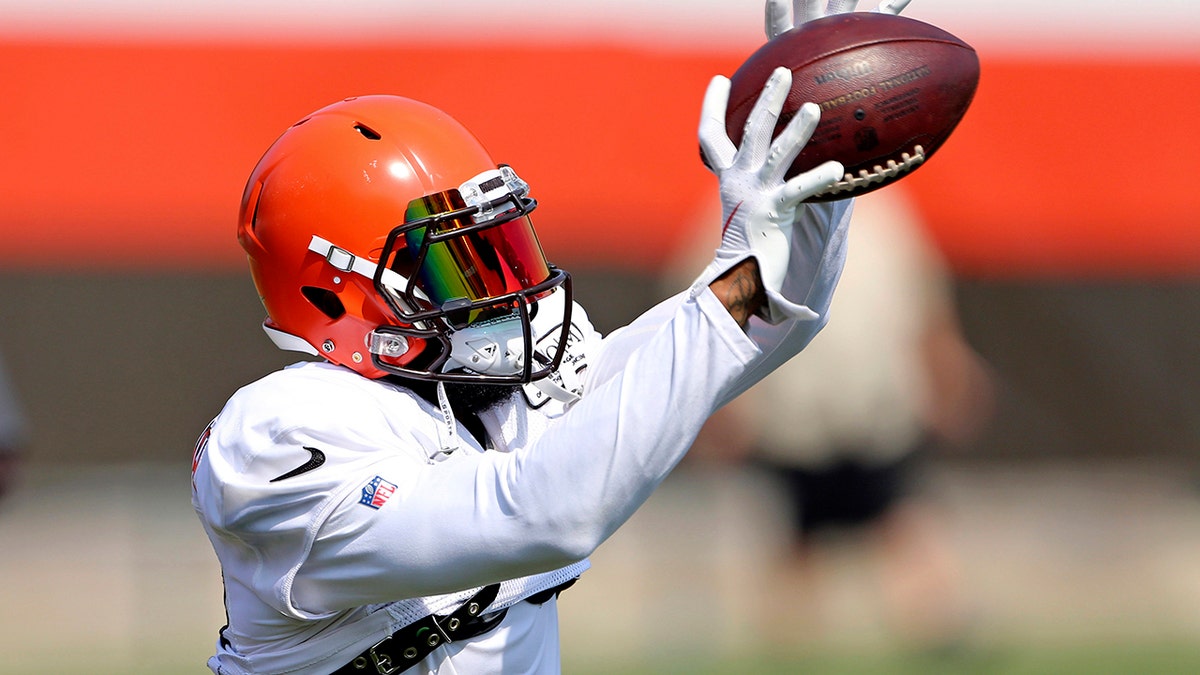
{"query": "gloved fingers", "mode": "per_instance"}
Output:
(714, 141)
(892, 6)
(804, 11)
(791, 141)
(779, 17)
(760, 125)
(809, 183)
(840, 6)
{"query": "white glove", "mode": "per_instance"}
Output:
(817, 235)
(783, 15)
(758, 206)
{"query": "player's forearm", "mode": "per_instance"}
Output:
(740, 289)
(609, 452)
(551, 503)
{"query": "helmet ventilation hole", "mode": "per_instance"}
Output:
(325, 300)
(367, 132)
(252, 201)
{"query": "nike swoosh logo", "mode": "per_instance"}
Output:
(730, 218)
(317, 459)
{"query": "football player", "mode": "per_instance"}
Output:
(415, 499)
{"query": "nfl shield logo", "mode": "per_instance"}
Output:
(376, 493)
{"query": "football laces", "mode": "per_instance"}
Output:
(851, 182)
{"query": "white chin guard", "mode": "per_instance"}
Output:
(495, 347)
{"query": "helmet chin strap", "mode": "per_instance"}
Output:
(566, 383)
(563, 385)
(447, 433)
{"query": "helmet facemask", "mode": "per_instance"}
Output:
(464, 273)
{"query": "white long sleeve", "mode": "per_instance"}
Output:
(316, 564)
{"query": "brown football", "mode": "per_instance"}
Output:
(891, 90)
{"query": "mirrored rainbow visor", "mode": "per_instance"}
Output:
(465, 250)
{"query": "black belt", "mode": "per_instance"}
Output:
(409, 645)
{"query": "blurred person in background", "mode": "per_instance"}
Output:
(845, 429)
(13, 433)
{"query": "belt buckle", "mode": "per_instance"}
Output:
(383, 662)
(432, 636)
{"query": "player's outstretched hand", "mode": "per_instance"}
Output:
(783, 15)
(758, 204)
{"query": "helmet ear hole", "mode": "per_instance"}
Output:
(325, 300)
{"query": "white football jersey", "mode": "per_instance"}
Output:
(339, 514)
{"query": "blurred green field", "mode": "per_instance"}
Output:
(1110, 659)
(1092, 659)
(1067, 572)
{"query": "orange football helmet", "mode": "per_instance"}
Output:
(382, 237)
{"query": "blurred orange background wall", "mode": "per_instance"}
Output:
(127, 137)
(1063, 202)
